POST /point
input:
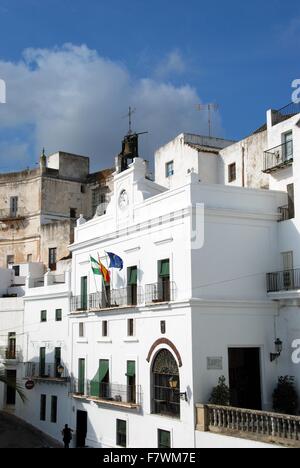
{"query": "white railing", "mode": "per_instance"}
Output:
(252, 424)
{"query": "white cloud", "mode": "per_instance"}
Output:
(73, 99)
(173, 64)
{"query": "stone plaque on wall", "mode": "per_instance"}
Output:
(214, 363)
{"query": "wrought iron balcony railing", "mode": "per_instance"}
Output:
(47, 371)
(10, 353)
(278, 157)
(284, 213)
(130, 296)
(116, 394)
(288, 280)
(164, 291)
(285, 113)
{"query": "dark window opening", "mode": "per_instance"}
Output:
(121, 433)
(130, 327)
(131, 382)
(11, 376)
(132, 285)
(164, 439)
(73, 213)
(291, 201)
(16, 269)
(11, 351)
(52, 258)
(104, 328)
(58, 315)
(232, 172)
(166, 385)
(57, 361)
(43, 316)
(164, 277)
(43, 407)
(13, 206)
(53, 409)
(163, 327)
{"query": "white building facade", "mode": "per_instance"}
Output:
(209, 283)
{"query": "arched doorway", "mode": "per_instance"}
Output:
(165, 385)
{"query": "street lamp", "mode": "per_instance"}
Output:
(173, 382)
(278, 350)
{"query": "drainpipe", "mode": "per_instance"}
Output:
(243, 166)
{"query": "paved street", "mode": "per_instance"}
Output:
(14, 433)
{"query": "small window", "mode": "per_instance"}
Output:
(43, 407)
(53, 409)
(16, 269)
(164, 439)
(163, 327)
(52, 258)
(58, 315)
(73, 213)
(29, 258)
(10, 260)
(81, 329)
(121, 433)
(104, 328)
(170, 169)
(291, 201)
(13, 206)
(130, 327)
(232, 172)
(82, 189)
(43, 316)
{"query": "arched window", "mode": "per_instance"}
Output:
(166, 385)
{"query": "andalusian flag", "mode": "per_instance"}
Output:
(95, 266)
(99, 269)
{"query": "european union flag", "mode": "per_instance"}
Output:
(115, 261)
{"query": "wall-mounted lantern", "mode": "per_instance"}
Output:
(278, 350)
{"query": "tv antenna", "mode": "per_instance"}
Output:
(130, 113)
(209, 108)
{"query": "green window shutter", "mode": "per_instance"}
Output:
(81, 375)
(164, 268)
(133, 276)
(130, 369)
(101, 373)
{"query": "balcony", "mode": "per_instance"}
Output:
(46, 371)
(288, 280)
(7, 215)
(164, 291)
(106, 393)
(10, 355)
(278, 158)
(261, 426)
(130, 296)
(285, 113)
(284, 213)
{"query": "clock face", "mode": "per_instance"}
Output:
(123, 199)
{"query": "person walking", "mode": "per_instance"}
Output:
(67, 436)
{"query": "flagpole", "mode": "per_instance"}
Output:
(112, 276)
(97, 291)
(103, 282)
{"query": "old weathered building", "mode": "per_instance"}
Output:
(38, 208)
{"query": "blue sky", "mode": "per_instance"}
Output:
(163, 57)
